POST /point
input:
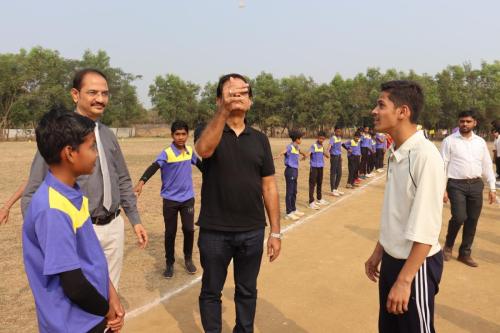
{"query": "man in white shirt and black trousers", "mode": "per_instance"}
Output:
(466, 159)
(408, 248)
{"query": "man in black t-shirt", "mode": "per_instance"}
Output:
(238, 181)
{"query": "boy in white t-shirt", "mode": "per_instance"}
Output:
(408, 248)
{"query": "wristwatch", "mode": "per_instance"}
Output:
(276, 235)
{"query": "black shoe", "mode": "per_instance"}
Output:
(190, 267)
(169, 272)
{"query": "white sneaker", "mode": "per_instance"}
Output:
(291, 216)
(313, 205)
(335, 193)
(380, 170)
(340, 192)
(298, 213)
(322, 202)
(370, 175)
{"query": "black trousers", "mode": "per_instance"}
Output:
(291, 175)
(99, 328)
(466, 199)
(380, 158)
(353, 166)
(315, 180)
(371, 162)
(170, 211)
(363, 168)
(217, 248)
(497, 162)
(420, 315)
(335, 171)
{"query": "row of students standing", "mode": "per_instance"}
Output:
(333, 151)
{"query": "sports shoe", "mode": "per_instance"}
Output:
(190, 267)
(313, 205)
(322, 202)
(335, 193)
(298, 213)
(380, 170)
(370, 175)
(349, 186)
(362, 177)
(169, 272)
(357, 181)
(340, 192)
(291, 216)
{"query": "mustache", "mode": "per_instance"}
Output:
(98, 104)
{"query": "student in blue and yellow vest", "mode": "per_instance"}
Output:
(371, 154)
(353, 148)
(177, 193)
(292, 155)
(380, 149)
(335, 150)
(317, 154)
(65, 264)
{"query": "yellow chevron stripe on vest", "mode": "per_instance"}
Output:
(336, 140)
(60, 202)
(317, 149)
(294, 150)
(354, 143)
(186, 155)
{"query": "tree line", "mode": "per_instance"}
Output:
(32, 81)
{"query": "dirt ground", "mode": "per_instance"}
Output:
(317, 285)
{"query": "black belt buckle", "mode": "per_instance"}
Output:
(103, 220)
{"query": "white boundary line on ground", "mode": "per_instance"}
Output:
(146, 307)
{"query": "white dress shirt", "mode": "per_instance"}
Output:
(467, 158)
(413, 198)
(496, 146)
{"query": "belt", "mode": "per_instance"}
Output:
(465, 181)
(103, 220)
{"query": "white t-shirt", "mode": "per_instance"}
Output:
(413, 198)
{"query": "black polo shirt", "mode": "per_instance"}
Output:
(231, 192)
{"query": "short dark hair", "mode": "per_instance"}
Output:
(179, 125)
(80, 75)
(468, 113)
(322, 133)
(226, 78)
(409, 93)
(338, 128)
(59, 128)
(295, 134)
(357, 134)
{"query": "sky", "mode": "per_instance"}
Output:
(200, 40)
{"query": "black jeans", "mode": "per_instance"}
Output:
(99, 328)
(217, 248)
(466, 199)
(170, 211)
(335, 171)
(291, 175)
(380, 158)
(363, 167)
(353, 166)
(315, 180)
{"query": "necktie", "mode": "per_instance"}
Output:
(106, 182)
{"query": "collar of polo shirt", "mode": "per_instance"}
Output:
(229, 129)
(402, 152)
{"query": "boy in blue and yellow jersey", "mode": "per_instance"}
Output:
(366, 144)
(317, 154)
(380, 148)
(177, 193)
(371, 155)
(64, 262)
(336, 161)
(353, 148)
(292, 155)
